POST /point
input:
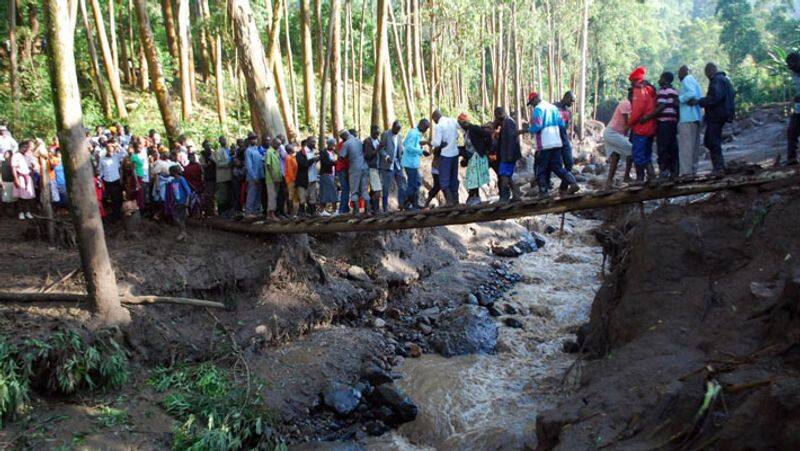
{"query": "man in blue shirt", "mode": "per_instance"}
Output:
(412, 153)
(254, 166)
(689, 123)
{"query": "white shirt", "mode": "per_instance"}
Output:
(312, 170)
(446, 131)
(7, 142)
(109, 166)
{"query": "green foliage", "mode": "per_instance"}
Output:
(214, 412)
(109, 417)
(66, 362)
(13, 382)
(740, 36)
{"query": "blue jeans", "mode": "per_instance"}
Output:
(412, 189)
(253, 203)
(642, 149)
(448, 174)
(550, 160)
(344, 197)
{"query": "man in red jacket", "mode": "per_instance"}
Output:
(643, 126)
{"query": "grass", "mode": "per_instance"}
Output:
(109, 417)
(13, 382)
(214, 412)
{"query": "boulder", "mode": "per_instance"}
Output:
(465, 330)
(403, 410)
(513, 323)
(358, 273)
(341, 399)
(376, 375)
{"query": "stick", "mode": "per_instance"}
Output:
(61, 280)
(18, 296)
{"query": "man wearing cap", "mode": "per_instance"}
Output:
(7, 142)
(445, 139)
(254, 170)
(564, 106)
(546, 127)
(642, 123)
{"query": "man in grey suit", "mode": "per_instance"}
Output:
(390, 152)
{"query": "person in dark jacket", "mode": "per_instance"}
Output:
(371, 147)
(565, 108)
(306, 159)
(719, 108)
(793, 131)
(477, 146)
(508, 152)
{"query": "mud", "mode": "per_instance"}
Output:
(701, 292)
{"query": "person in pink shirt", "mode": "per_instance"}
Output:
(24, 189)
(617, 143)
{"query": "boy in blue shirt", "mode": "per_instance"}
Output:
(178, 192)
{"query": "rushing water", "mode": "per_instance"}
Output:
(491, 401)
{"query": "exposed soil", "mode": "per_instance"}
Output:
(296, 313)
(700, 292)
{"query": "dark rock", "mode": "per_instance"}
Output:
(425, 329)
(513, 323)
(376, 375)
(423, 320)
(403, 410)
(383, 413)
(507, 251)
(471, 299)
(509, 309)
(549, 229)
(494, 311)
(431, 312)
(376, 428)
(394, 313)
(413, 350)
(539, 240)
(571, 347)
(484, 300)
(327, 446)
(465, 330)
(342, 399)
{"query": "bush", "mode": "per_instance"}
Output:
(13, 382)
(66, 362)
(214, 412)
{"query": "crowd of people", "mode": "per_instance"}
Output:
(270, 178)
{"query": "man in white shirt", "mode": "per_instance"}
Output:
(109, 168)
(7, 142)
(445, 141)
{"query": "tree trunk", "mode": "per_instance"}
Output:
(101, 285)
(383, 78)
(419, 68)
(275, 63)
(407, 90)
(12, 38)
(105, 101)
(320, 49)
(184, 46)
(309, 93)
(361, 59)
(156, 73)
(266, 117)
(337, 105)
(168, 11)
(144, 78)
(290, 61)
(218, 75)
(108, 60)
(125, 66)
(325, 71)
(112, 33)
(584, 56)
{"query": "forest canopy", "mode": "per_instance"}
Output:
(458, 55)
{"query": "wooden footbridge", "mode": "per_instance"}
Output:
(750, 180)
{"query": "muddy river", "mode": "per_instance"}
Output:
(491, 401)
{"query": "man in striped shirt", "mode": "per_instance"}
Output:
(666, 115)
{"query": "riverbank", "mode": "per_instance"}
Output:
(692, 340)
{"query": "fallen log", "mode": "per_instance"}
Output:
(18, 296)
(764, 180)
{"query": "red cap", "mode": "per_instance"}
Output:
(463, 117)
(638, 74)
(532, 95)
